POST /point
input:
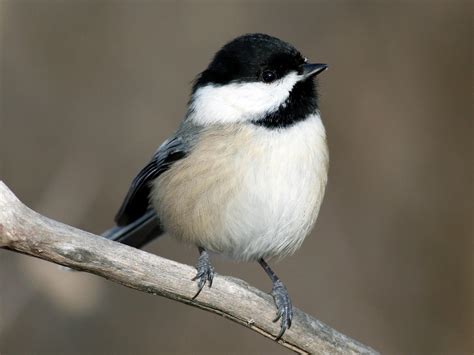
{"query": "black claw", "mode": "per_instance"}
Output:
(205, 272)
(284, 307)
(210, 277)
(282, 331)
(278, 316)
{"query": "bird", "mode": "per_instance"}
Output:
(244, 174)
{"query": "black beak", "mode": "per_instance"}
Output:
(313, 69)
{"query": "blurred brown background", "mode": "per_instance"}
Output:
(89, 89)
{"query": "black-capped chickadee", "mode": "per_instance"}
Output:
(245, 173)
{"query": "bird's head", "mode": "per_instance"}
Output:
(252, 78)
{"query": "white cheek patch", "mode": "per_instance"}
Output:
(238, 102)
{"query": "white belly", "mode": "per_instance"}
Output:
(247, 193)
(281, 192)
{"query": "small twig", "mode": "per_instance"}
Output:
(25, 231)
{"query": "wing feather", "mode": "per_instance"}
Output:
(136, 202)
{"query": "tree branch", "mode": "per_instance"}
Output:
(25, 231)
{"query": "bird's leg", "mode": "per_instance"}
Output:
(205, 271)
(281, 298)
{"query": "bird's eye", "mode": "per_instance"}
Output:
(268, 76)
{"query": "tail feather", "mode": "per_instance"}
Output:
(138, 233)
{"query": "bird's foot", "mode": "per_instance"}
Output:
(205, 271)
(283, 305)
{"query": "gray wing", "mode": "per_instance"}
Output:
(136, 203)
